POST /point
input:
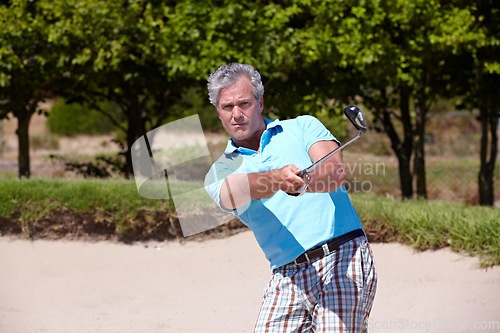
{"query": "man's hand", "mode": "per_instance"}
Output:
(285, 179)
(239, 189)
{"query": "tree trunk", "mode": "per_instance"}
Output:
(133, 132)
(405, 176)
(407, 145)
(488, 155)
(402, 149)
(419, 159)
(23, 121)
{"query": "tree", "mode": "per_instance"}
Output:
(484, 93)
(32, 65)
(127, 46)
(91, 51)
(396, 54)
(278, 38)
(477, 83)
(143, 55)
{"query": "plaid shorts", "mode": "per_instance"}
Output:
(330, 294)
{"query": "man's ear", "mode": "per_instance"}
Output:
(261, 104)
(217, 110)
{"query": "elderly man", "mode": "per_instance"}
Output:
(324, 277)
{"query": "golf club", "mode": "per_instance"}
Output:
(355, 116)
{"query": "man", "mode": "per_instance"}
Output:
(324, 277)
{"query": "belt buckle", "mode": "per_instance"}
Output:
(301, 263)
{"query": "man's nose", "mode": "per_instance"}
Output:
(237, 112)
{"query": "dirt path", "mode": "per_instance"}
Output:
(215, 286)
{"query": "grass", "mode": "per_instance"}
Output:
(115, 195)
(426, 225)
(31, 199)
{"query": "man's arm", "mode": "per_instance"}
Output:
(330, 175)
(239, 189)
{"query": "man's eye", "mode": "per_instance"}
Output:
(227, 107)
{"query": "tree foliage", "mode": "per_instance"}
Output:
(151, 58)
(127, 48)
(397, 56)
(32, 65)
(477, 84)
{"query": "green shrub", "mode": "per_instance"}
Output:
(72, 119)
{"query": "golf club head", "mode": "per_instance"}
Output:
(354, 114)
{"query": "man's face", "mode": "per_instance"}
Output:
(240, 112)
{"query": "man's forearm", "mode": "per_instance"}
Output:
(239, 189)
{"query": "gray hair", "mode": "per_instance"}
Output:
(229, 74)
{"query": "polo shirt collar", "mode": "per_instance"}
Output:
(231, 148)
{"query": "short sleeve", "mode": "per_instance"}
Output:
(314, 131)
(220, 170)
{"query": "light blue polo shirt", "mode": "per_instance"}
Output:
(285, 226)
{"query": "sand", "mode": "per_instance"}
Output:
(216, 286)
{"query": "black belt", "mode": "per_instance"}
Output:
(333, 245)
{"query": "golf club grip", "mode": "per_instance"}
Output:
(301, 175)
